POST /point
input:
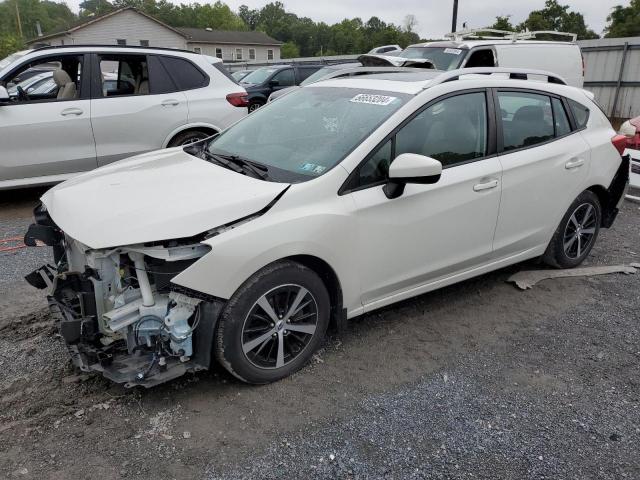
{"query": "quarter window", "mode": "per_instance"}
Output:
(580, 113)
(527, 119)
(560, 118)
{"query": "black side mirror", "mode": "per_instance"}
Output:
(411, 168)
(274, 83)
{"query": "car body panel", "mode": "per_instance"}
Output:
(153, 197)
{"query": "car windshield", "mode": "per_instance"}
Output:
(259, 76)
(309, 131)
(5, 62)
(443, 58)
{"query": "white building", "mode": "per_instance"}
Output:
(129, 26)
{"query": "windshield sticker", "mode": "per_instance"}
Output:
(312, 168)
(373, 99)
(453, 51)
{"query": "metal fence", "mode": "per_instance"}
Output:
(612, 73)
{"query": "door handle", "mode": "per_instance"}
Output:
(170, 103)
(574, 163)
(478, 187)
(71, 111)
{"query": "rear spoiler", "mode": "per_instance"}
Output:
(371, 60)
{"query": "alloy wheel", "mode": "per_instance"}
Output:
(279, 326)
(580, 230)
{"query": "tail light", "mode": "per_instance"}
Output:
(240, 99)
(620, 142)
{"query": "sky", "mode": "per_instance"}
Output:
(434, 16)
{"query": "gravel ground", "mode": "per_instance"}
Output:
(477, 380)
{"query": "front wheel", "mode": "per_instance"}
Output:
(576, 234)
(273, 324)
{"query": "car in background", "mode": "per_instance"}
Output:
(473, 48)
(339, 71)
(344, 197)
(262, 82)
(32, 83)
(386, 50)
(132, 100)
(631, 130)
(240, 74)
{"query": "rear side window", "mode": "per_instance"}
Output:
(306, 72)
(527, 119)
(185, 74)
(159, 79)
(561, 120)
(580, 113)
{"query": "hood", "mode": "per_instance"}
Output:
(372, 60)
(156, 196)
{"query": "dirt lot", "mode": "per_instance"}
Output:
(478, 380)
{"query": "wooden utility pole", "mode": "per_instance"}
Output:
(18, 19)
(454, 20)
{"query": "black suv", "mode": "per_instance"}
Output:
(260, 83)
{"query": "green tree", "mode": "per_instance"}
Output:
(503, 23)
(289, 50)
(250, 17)
(557, 17)
(89, 8)
(624, 21)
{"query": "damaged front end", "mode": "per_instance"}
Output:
(118, 311)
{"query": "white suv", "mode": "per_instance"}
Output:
(110, 103)
(340, 198)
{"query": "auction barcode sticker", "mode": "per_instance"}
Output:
(453, 51)
(372, 99)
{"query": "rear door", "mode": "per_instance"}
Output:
(140, 113)
(545, 162)
(44, 135)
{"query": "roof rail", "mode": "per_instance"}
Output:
(514, 74)
(476, 33)
(97, 46)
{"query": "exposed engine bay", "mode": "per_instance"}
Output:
(117, 310)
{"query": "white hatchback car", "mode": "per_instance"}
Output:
(338, 199)
(110, 103)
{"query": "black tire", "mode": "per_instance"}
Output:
(244, 322)
(577, 233)
(253, 106)
(190, 136)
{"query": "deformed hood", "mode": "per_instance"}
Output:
(156, 196)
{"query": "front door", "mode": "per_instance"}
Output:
(431, 231)
(48, 134)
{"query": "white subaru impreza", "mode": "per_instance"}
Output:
(340, 198)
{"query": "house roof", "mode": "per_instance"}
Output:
(195, 35)
(203, 35)
(85, 22)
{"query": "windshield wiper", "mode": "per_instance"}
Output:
(256, 170)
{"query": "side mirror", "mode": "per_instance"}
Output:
(4, 96)
(411, 168)
(274, 83)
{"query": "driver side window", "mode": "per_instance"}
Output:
(54, 78)
(453, 131)
(285, 78)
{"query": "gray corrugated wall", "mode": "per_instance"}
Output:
(603, 59)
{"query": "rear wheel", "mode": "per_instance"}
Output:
(576, 234)
(253, 106)
(188, 137)
(273, 324)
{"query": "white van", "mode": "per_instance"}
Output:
(473, 48)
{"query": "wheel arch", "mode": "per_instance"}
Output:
(212, 129)
(331, 281)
